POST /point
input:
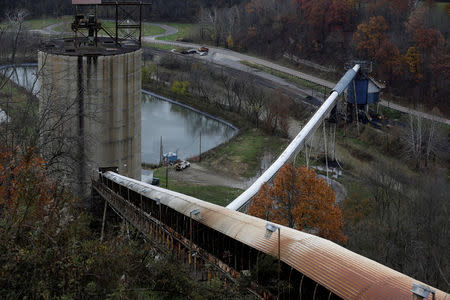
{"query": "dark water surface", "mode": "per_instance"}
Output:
(179, 127)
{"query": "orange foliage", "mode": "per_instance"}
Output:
(264, 207)
(339, 12)
(24, 191)
(428, 38)
(399, 7)
(416, 19)
(317, 13)
(369, 36)
(252, 32)
(300, 200)
(391, 57)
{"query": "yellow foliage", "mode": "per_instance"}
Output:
(230, 42)
(413, 59)
(180, 87)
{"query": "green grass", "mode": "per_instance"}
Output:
(219, 195)
(16, 103)
(440, 5)
(147, 29)
(158, 46)
(183, 30)
(241, 156)
(43, 22)
(152, 30)
(11, 90)
(63, 28)
(389, 113)
(288, 77)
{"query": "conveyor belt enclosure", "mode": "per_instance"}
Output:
(243, 200)
(221, 232)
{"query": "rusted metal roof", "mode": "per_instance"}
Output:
(345, 273)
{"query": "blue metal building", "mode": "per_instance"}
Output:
(367, 90)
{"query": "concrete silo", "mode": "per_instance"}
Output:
(96, 90)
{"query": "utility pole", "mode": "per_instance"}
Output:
(326, 150)
(200, 150)
(346, 112)
(333, 157)
(167, 173)
(356, 106)
(160, 152)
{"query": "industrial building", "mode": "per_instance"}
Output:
(94, 84)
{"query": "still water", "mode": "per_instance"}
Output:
(179, 127)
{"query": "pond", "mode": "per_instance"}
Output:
(179, 126)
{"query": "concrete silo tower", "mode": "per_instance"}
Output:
(95, 84)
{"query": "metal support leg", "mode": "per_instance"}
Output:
(103, 221)
(315, 290)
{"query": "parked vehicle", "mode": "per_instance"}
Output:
(155, 181)
(180, 166)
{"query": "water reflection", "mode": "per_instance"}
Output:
(23, 76)
(178, 126)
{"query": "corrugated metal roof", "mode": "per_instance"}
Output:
(345, 273)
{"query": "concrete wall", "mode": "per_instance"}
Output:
(98, 99)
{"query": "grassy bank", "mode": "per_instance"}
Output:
(147, 29)
(43, 22)
(239, 157)
(234, 118)
(183, 31)
(13, 100)
(158, 46)
(242, 155)
(219, 195)
(293, 79)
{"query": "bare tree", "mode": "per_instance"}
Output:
(16, 18)
(420, 139)
(43, 119)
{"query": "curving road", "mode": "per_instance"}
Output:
(169, 30)
(49, 30)
(233, 60)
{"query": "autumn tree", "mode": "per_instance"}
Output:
(50, 249)
(428, 39)
(391, 68)
(370, 36)
(413, 60)
(299, 199)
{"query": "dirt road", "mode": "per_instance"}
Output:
(198, 174)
